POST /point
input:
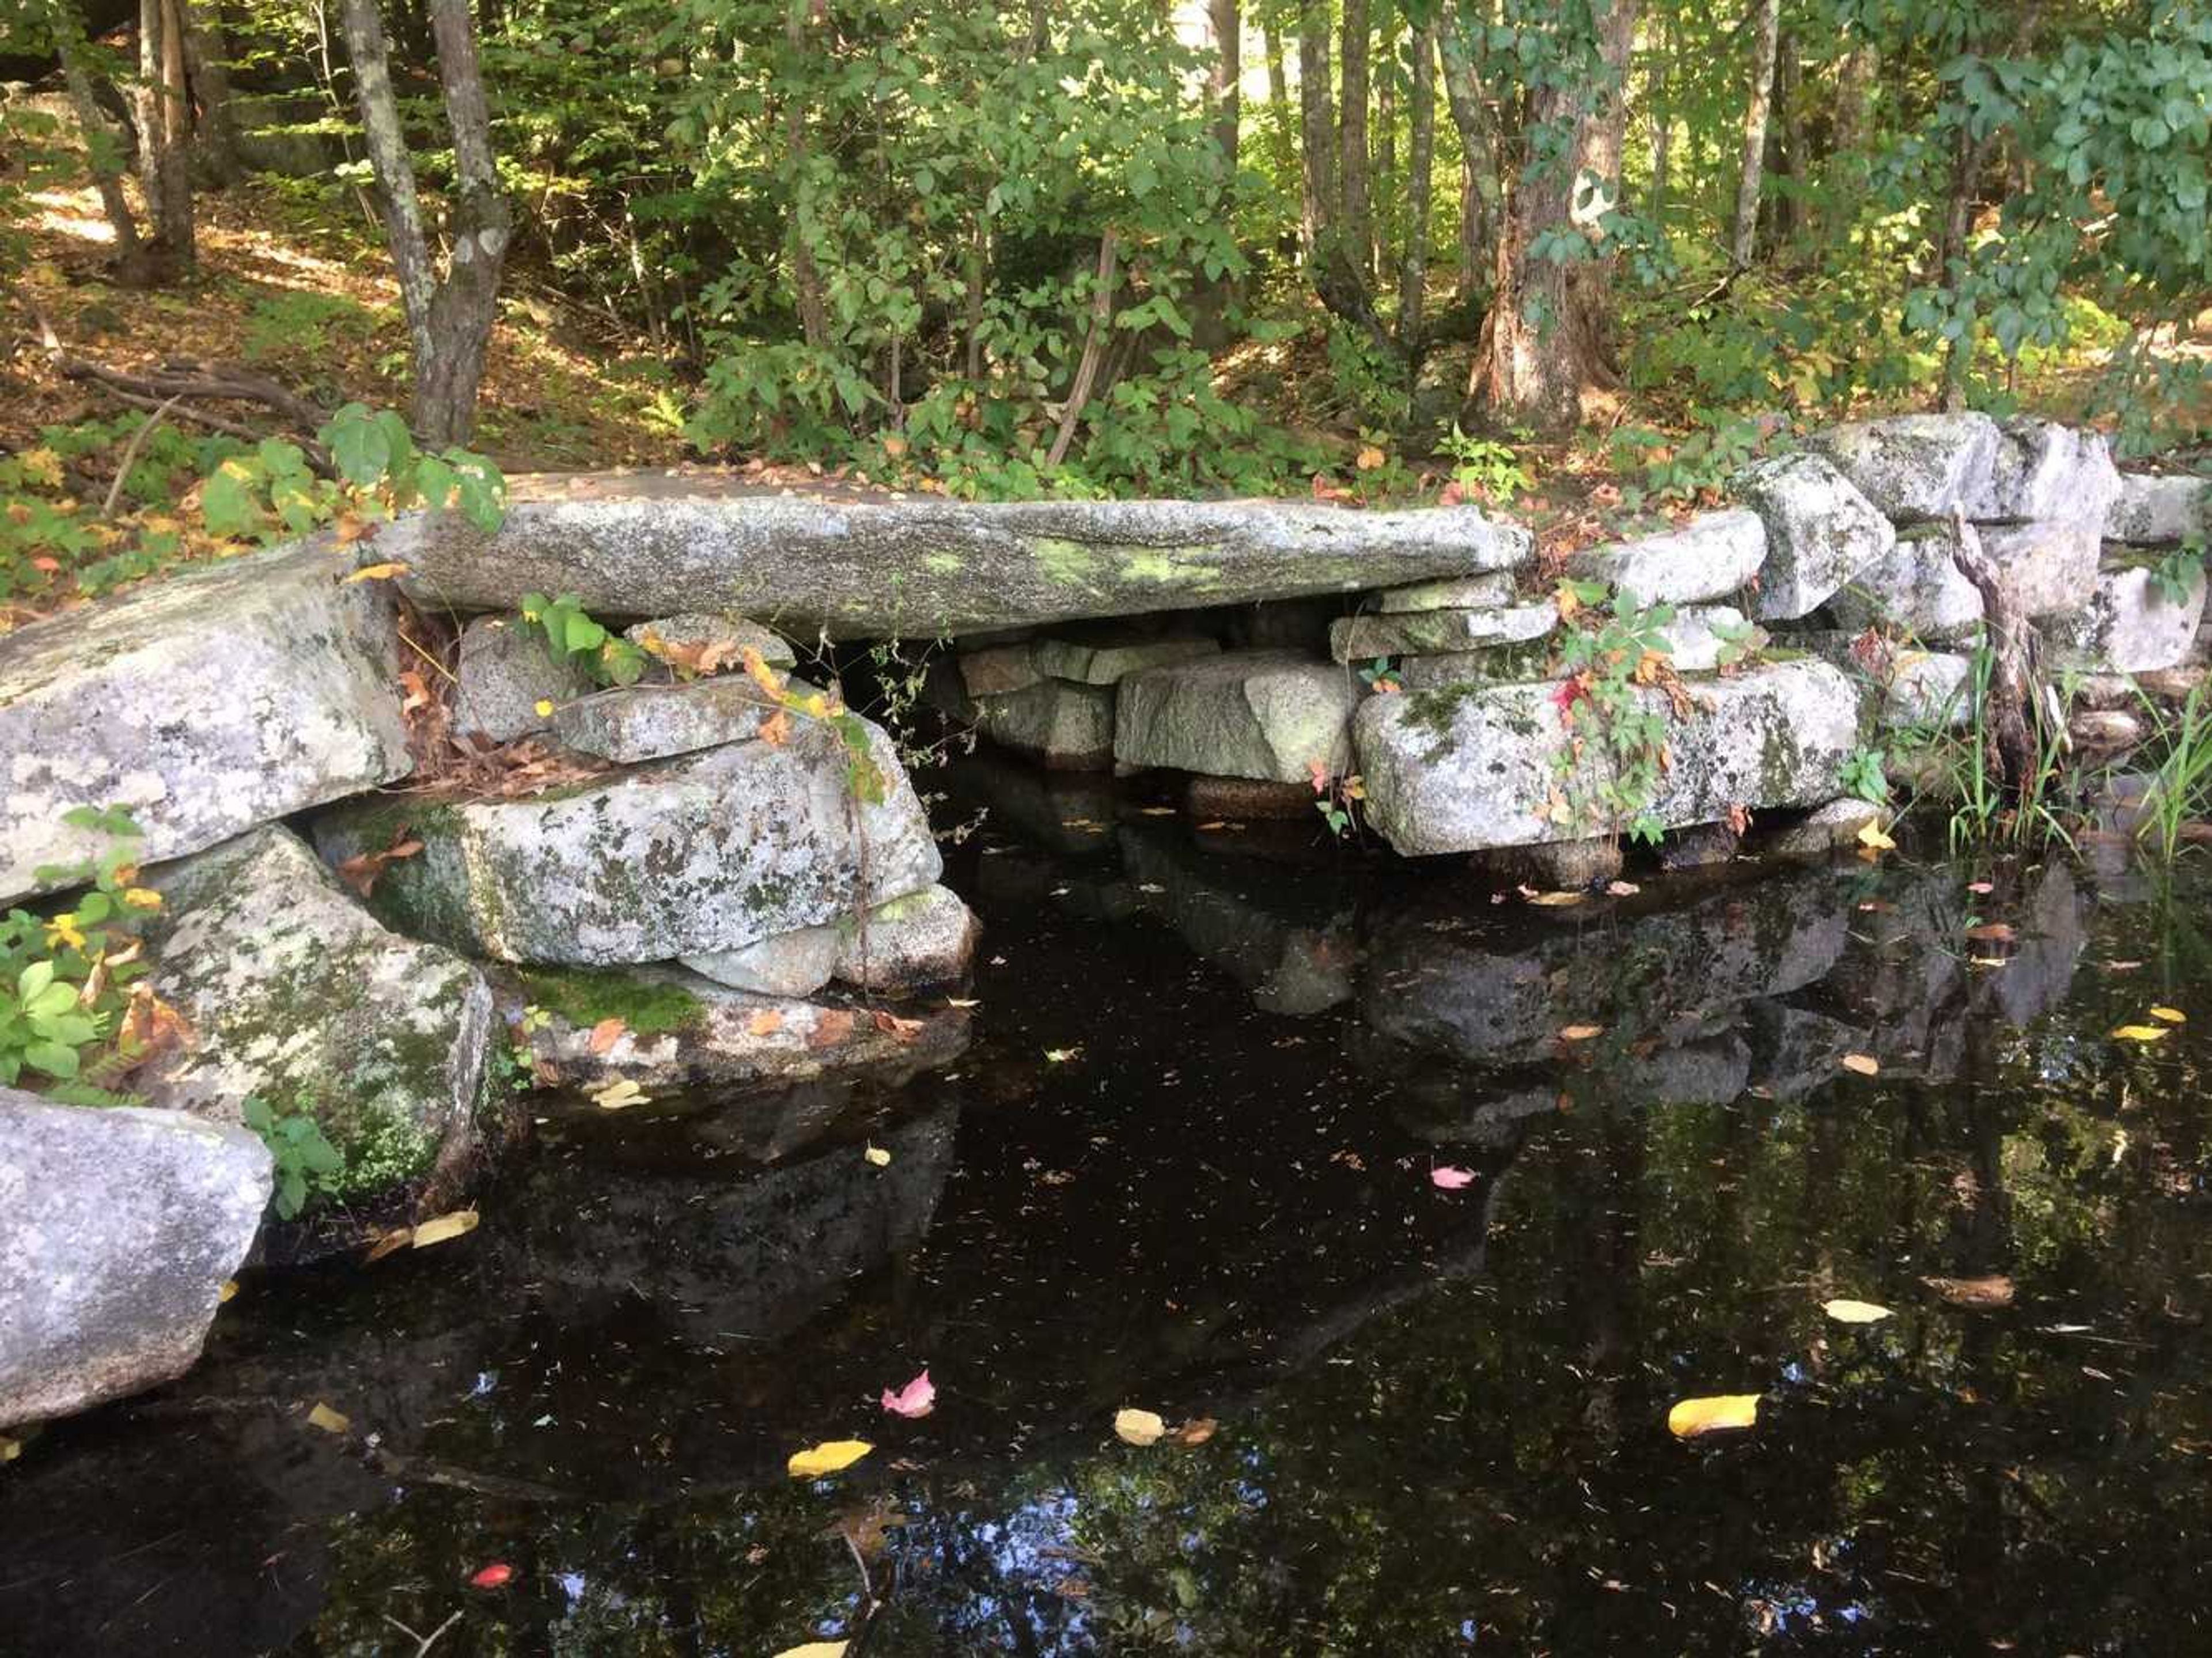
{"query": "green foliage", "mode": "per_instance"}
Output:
(1863, 777)
(1612, 665)
(1486, 467)
(298, 324)
(307, 1163)
(572, 636)
(1683, 470)
(2178, 573)
(272, 492)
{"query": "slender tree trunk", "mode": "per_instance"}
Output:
(1550, 322)
(1414, 264)
(806, 276)
(449, 316)
(1317, 130)
(207, 67)
(1223, 82)
(164, 120)
(1767, 34)
(103, 144)
(1282, 147)
(1478, 153)
(1660, 117)
(1383, 152)
(1358, 214)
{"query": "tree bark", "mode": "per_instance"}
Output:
(1223, 83)
(449, 316)
(207, 69)
(164, 121)
(1352, 119)
(1766, 35)
(1316, 129)
(1660, 117)
(1478, 153)
(1420, 159)
(806, 276)
(1550, 321)
(103, 144)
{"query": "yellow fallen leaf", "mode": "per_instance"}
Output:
(2142, 1033)
(1139, 1427)
(1580, 1033)
(1556, 900)
(1871, 835)
(9, 1449)
(543, 708)
(457, 1224)
(330, 1421)
(1369, 457)
(377, 572)
(878, 1156)
(826, 1458)
(1855, 1312)
(1693, 1417)
(229, 1289)
(617, 1094)
(1865, 1064)
(821, 1648)
(2171, 1015)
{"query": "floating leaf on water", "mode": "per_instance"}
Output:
(961, 1001)
(1196, 1431)
(2142, 1033)
(618, 1094)
(1556, 900)
(497, 1575)
(878, 1156)
(2171, 1015)
(1139, 1427)
(1580, 1033)
(1692, 1417)
(1993, 1290)
(1864, 1064)
(826, 1458)
(1855, 1312)
(1061, 1055)
(918, 1398)
(229, 1289)
(1872, 838)
(1450, 1179)
(457, 1224)
(330, 1421)
(9, 1449)
(816, 1650)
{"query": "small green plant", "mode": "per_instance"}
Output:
(1619, 684)
(272, 491)
(1380, 675)
(1863, 777)
(306, 1161)
(1484, 466)
(1685, 469)
(2181, 790)
(572, 636)
(2178, 574)
(1336, 797)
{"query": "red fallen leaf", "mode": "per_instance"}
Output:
(606, 1033)
(359, 871)
(1317, 774)
(494, 1576)
(917, 1398)
(833, 1026)
(1451, 1180)
(1451, 494)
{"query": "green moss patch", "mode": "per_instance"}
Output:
(584, 996)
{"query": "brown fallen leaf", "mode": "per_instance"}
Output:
(1994, 931)
(765, 1022)
(904, 1031)
(1580, 1033)
(606, 1033)
(1864, 1064)
(833, 1026)
(361, 870)
(1196, 1431)
(458, 1224)
(1993, 1290)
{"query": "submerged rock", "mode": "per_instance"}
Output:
(119, 1227)
(684, 857)
(1823, 832)
(924, 568)
(1263, 714)
(296, 994)
(505, 672)
(927, 937)
(207, 703)
(1820, 532)
(1714, 555)
(1477, 767)
(1915, 466)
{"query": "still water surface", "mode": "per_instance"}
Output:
(1186, 1166)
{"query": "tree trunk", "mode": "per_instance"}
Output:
(1316, 129)
(805, 277)
(1282, 150)
(207, 68)
(1662, 118)
(1550, 321)
(1478, 153)
(449, 317)
(1383, 152)
(1767, 28)
(1358, 213)
(103, 144)
(1414, 266)
(164, 121)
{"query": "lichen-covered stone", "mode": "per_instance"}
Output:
(1499, 665)
(1458, 771)
(1430, 632)
(1108, 660)
(1823, 832)
(1474, 592)
(926, 567)
(1928, 689)
(789, 964)
(927, 937)
(207, 703)
(1714, 555)
(118, 1228)
(2130, 625)
(2043, 471)
(1915, 466)
(684, 858)
(295, 993)
(2158, 510)
(1245, 798)
(1064, 726)
(505, 672)
(654, 722)
(1265, 714)
(699, 633)
(1696, 639)
(998, 670)
(1820, 532)
(1916, 588)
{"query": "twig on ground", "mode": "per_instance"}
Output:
(130, 454)
(422, 1643)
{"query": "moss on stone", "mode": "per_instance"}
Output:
(584, 996)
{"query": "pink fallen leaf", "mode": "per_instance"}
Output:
(495, 1575)
(917, 1398)
(1451, 1179)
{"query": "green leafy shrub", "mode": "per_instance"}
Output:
(272, 492)
(572, 636)
(307, 1163)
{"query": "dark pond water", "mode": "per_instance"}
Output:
(1186, 1167)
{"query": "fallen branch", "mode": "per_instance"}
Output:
(1094, 346)
(162, 389)
(131, 453)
